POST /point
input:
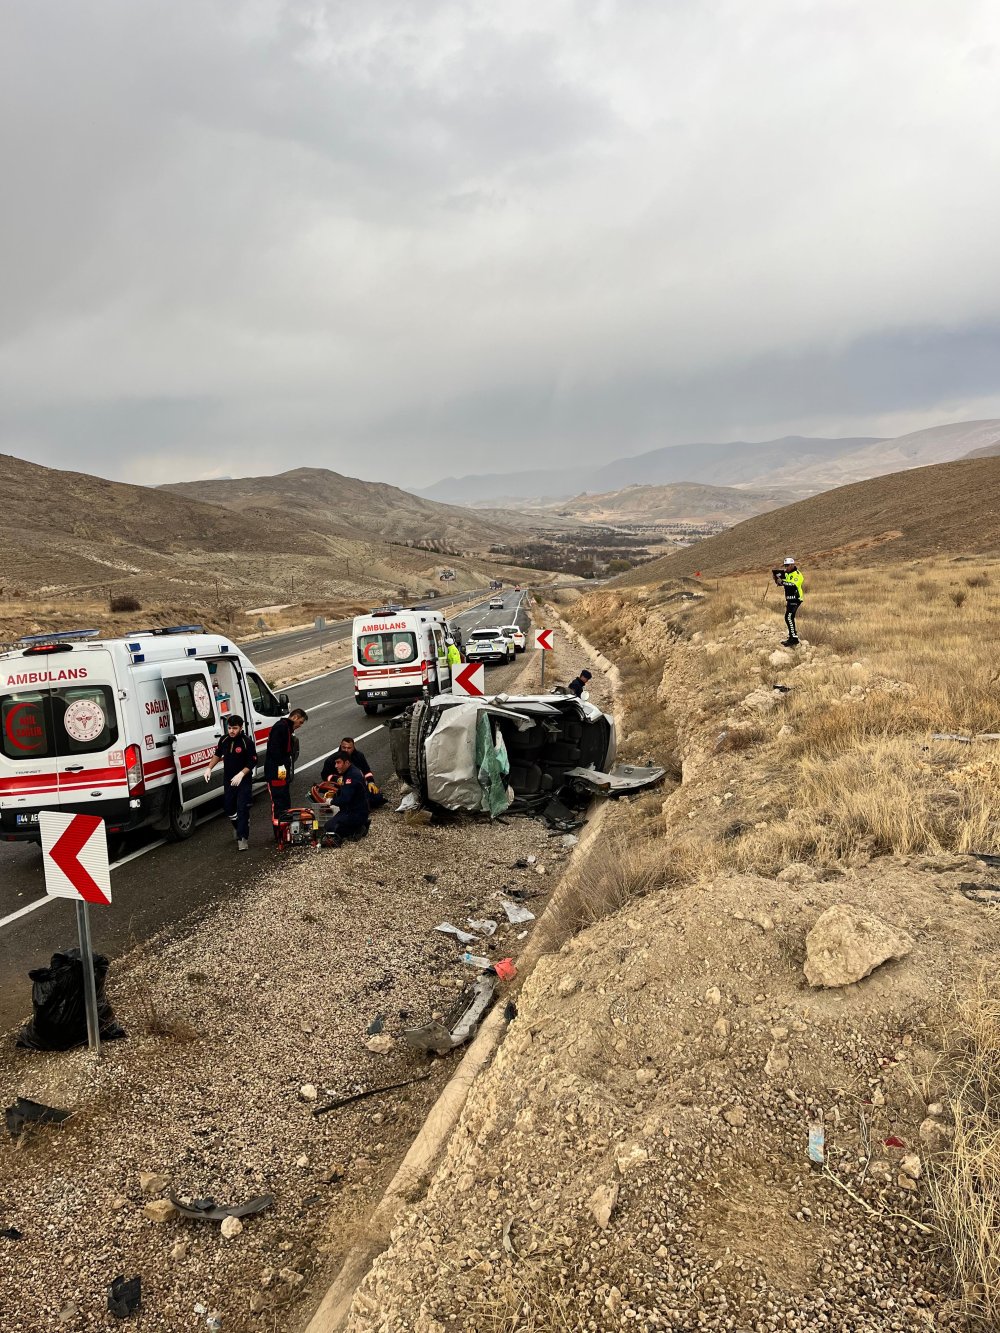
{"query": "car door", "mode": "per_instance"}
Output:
(194, 728)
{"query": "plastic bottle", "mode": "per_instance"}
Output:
(474, 960)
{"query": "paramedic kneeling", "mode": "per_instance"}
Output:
(352, 803)
(238, 756)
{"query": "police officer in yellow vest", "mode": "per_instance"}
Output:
(454, 656)
(789, 577)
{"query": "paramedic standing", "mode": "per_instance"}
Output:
(278, 763)
(789, 577)
(238, 756)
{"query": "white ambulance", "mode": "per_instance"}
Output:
(122, 728)
(398, 653)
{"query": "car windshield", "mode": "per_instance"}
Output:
(487, 634)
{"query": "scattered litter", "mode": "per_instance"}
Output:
(516, 915)
(375, 1026)
(431, 879)
(893, 1142)
(461, 1021)
(509, 1011)
(463, 936)
(505, 969)
(124, 1297)
(25, 1113)
(476, 960)
(207, 1210)
(522, 935)
(59, 1014)
(411, 801)
(525, 895)
(485, 927)
(11, 1233)
(966, 740)
(569, 840)
(988, 859)
(817, 1142)
(338, 1102)
(531, 860)
(521, 863)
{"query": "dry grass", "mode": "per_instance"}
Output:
(525, 1303)
(618, 872)
(966, 1181)
(170, 1027)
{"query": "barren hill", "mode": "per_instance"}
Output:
(948, 508)
(685, 502)
(331, 503)
(72, 535)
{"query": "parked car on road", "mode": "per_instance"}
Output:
(516, 633)
(489, 645)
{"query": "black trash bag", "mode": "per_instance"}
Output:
(59, 1010)
(124, 1298)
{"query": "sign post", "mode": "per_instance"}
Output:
(543, 641)
(75, 858)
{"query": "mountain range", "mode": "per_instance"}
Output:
(794, 463)
(947, 508)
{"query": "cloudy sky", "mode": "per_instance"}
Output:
(410, 238)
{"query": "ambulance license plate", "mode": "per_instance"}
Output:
(27, 819)
(378, 694)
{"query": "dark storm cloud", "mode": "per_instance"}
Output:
(425, 236)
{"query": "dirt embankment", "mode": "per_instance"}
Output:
(637, 1156)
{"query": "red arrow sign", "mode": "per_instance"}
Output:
(470, 679)
(76, 861)
(543, 639)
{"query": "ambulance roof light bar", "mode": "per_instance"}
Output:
(166, 629)
(59, 636)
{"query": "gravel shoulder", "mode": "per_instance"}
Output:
(229, 1017)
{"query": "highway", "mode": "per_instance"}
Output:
(157, 885)
(272, 647)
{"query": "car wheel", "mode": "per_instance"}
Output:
(418, 769)
(180, 822)
(371, 709)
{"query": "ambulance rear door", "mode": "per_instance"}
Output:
(194, 730)
(60, 735)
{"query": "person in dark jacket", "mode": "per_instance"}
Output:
(326, 788)
(579, 684)
(278, 763)
(238, 756)
(352, 803)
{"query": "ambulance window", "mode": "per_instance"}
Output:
(84, 719)
(25, 730)
(261, 697)
(387, 649)
(190, 703)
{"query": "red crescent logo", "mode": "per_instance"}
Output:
(9, 728)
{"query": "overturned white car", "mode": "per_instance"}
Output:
(510, 752)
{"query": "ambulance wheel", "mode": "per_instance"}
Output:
(371, 709)
(180, 822)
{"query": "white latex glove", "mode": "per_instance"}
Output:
(235, 782)
(208, 776)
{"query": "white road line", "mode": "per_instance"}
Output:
(23, 911)
(313, 762)
(314, 708)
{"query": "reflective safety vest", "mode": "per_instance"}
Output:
(454, 656)
(794, 585)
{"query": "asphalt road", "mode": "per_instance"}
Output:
(272, 647)
(158, 885)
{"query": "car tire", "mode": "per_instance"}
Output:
(418, 768)
(371, 709)
(180, 822)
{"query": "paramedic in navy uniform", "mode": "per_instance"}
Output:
(278, 763)
(238, 755)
